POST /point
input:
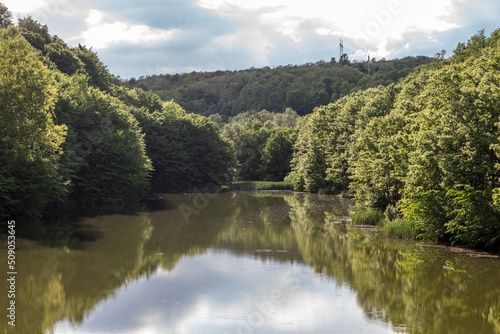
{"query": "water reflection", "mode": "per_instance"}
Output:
(250, 263)
(220, 293)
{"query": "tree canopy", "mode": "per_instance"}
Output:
(30, 144)
(428, 145)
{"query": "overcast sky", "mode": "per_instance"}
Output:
(148, 37)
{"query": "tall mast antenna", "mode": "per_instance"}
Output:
(341, 45)
(368, 64)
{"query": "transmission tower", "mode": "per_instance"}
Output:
(341, 45)
(368, 64)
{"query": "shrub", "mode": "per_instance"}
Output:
(391, 213)
(400, 228)
(260, 185)
(367, 216)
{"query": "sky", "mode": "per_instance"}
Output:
(138, 38)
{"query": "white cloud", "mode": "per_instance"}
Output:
(363, 25)
(103, 32)
(25, 6)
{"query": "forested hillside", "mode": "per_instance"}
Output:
(426, 151)
(72, 139)
(301, 88)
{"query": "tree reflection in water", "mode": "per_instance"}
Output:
(413, 288)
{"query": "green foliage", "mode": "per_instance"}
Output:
(35, 33)
(187, 151)
(399, 228)
(324, 148)
(30, 144)
(105, 156)
(249, 142)
(262, 153)
(452, 142)
(473, 48)
(413, 144)
(97, 71)
(374, 157)
(309, 160)
(277, 155)
(391, 213)
(67, 60)
(63, 57)
(5, 17)
(301, 88)
(260, 185)
(73, 141)
(472, 219)
(426, 211)
(367, 216)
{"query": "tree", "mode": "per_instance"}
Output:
(344, 59)
(97, 71)
(35, 33)
(277, 155)
(248, 143)
(309, 164)
(375, 181)
(105, 155)
(187, 151)
(452, 164)
(5, 17)
(63, 57)
(30, 144)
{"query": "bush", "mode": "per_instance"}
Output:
(260, 185)
(400, 228)
(391, 213)
(367, 216)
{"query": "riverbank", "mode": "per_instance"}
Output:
(260, 185)
(382, 230)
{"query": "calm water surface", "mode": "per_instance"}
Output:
(248, 262)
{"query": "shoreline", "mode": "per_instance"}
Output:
(474, 253)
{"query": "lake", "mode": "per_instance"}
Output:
(247, 262)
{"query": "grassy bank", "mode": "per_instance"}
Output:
(366, 216)
(388, 222)
(399, 228)
(260, 185)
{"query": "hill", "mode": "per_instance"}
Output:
(300, 87)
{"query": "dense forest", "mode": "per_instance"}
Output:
(300, 87)
(73, 139)
(426, 150)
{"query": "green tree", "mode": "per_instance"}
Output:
(187, 151)
(97, 71)
(249, 132)
(309, 162)
(248, 142)
(105, 156)
(30, 144)
(277, 155)
(451, 167)
(302, 88)
(35, 33)
(5, 17)
(375, 154)
(63, 57)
